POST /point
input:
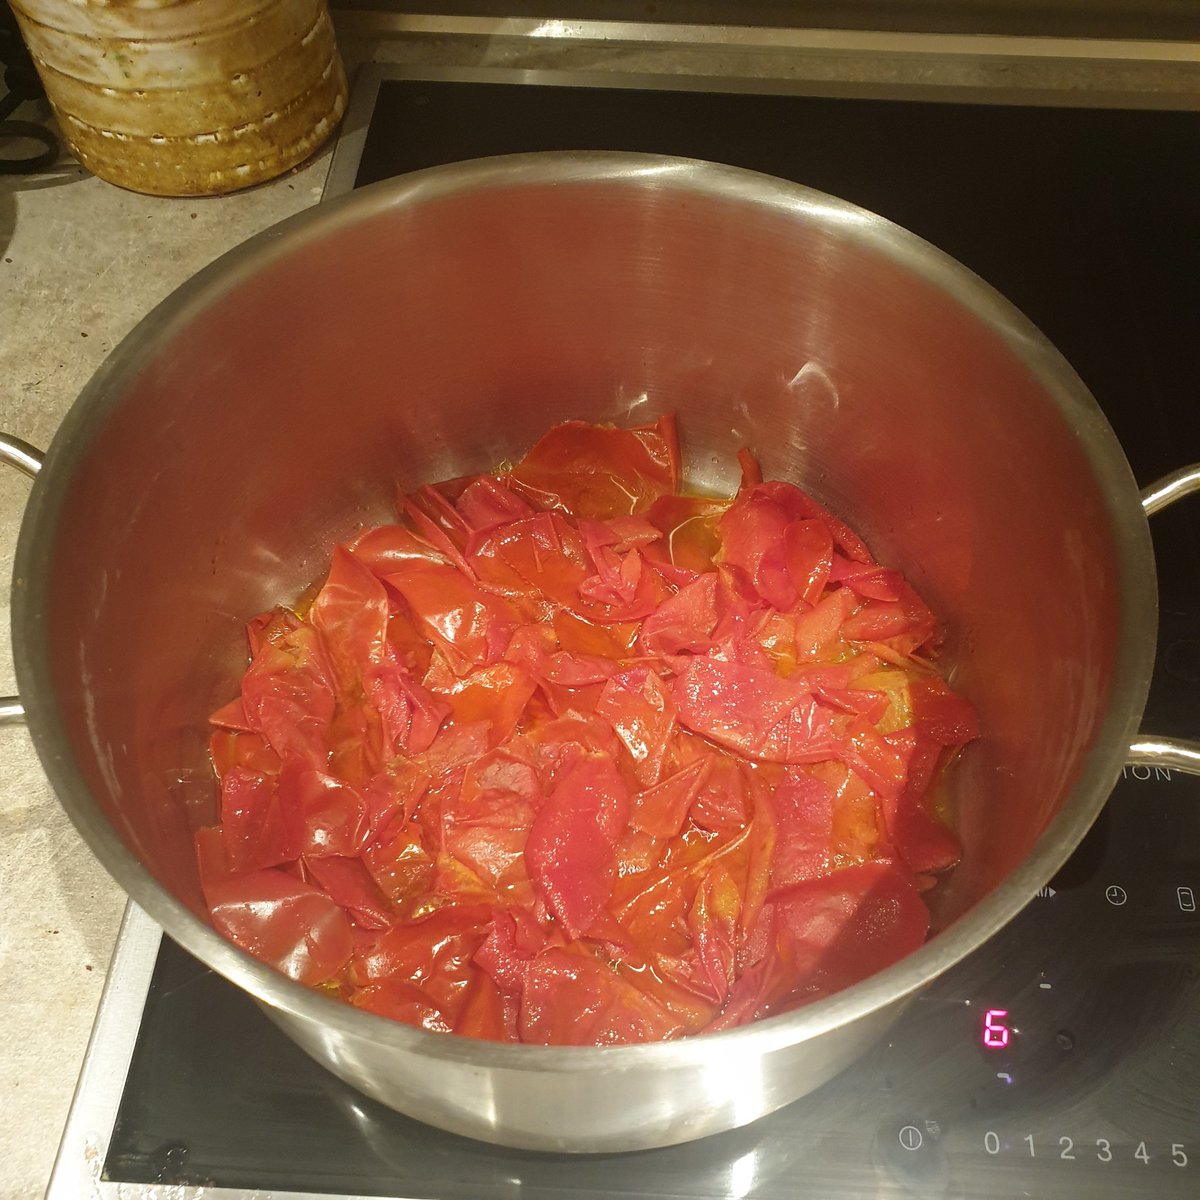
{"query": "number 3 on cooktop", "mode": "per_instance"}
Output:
(1104, 1151)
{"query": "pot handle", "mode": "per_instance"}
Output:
(28, 460)
(1148, 750)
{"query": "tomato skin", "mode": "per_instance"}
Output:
(538, 563)
(486, 824)
(577, 670)
(638, 705)
(410, 714)
(571, 849)
(484, 1013)
(905, 624)
(231, 718)
(424, 949)
(350, 615)
(921, 840)
(868, 580)
(713, 924)
(433, 955)
(401, 866)
(685, 622)
(599, 471)
(752, 711)
(230, 748)
(817, 632)
(347, 881)
(390, 549)
(840, 928)
(751, 470)
(270, 628)
(278, 918)
(808, 552)
(566, 757)
(494, 695)
(399, 1000)
(663, 807)
(882, 760)
(513, 941)
(331, 817)
(257, 828)
(578, 636)
(688, 529)
(570, 999)
(624, 588)
(486, 503)
(288, 695)
(470, 627)
(785, 560)
(721, 803)
(943, 717)
(799, 506)
(803, 808)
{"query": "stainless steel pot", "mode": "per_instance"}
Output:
(435, 325)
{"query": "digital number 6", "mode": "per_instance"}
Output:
(995, 1031)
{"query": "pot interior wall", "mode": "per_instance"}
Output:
(443, 334)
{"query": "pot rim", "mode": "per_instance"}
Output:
(102, 395)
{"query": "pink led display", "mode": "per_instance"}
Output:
(995, 1031)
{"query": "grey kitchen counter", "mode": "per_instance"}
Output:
(81, 262)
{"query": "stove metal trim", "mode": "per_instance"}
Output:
(84, 1145)
(78, 1169)
(352, 137)
(1166, 85)
(364, 18)
(868, 64)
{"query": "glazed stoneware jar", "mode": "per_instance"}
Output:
(188, 97)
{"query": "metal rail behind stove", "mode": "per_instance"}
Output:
(1063, 1059)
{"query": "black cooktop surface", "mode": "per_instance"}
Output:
(1063, 1059)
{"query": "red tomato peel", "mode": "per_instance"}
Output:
(566, 756)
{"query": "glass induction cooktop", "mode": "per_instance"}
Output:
(1062, 1060)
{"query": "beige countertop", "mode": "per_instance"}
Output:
(81, 261)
